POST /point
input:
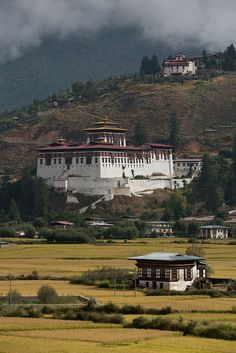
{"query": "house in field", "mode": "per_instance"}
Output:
(179, 66)
(158, 227)
(62, 224)
(170, 271)
(214, 231)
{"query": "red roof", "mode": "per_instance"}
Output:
(177, 63)
(63, 223)
(101, 146)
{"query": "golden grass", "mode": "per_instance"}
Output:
(95, 335)
(164, 343)
(8, 324)
(66, 259)
(106, 295)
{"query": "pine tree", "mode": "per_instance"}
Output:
(140, 134)
(13, 212)
(230, 189)
(145, 65)
(155, 66)
(174, 131)
(207, 187)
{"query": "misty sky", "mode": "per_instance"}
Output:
(25, 23)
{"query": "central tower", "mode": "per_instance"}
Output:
(106, 131)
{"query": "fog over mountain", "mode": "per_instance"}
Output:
(25, 23)
(45, 45)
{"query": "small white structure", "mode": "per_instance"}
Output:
(159, 227)
(170, 271)
(97, 223)
(214, 232)
(185, 166)
(180, 66)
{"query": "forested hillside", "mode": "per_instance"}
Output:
(204, 110)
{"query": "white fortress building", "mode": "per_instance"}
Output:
(106, 164)
(180, 66)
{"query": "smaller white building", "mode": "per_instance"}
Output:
(214, 231)
(180, 66)
(187, 166)
(159, 227)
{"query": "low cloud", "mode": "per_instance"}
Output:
(26, 23)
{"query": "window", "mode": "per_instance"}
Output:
(158, 273)
(140, 272)
(48, 161)
(59, 161)
(77, 160)
(167, 273)
(54, 161)
(96, 159)
(174, 274)
(149, 272)
(188, 274)
(81, 160)
(41, 161)
(89, 160)
(68, 160)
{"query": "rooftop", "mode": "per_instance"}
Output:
(165, 256)
(213, 226)
(101, 146)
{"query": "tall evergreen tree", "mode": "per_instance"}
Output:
(206, 185)
(230, 189)
(13, 212)
(140, 134)
(155, 66)
(174, 130)
(145, 65)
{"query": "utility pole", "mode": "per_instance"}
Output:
(10, 289)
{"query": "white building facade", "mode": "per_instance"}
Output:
(187, 166)
(214, 232)
(180, 66)
(105, 164)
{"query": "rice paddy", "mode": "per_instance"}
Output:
(24, 335)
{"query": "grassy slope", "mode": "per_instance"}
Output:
(198, 104)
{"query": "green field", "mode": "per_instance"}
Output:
(55, 336)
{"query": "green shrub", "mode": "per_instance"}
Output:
(47, 294)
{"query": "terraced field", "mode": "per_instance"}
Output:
(52, 336)
(58, 336)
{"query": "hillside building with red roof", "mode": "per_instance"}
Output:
(179, 66)
(106, 164)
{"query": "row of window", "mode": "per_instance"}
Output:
(164, 274)
(88, 160)
(187, 164)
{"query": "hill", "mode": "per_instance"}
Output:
(205, 111)
(57, 63)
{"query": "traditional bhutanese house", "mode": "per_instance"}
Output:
(214, 231)
(158, 227)
(62, 224)
(179, 66)
(170, 271)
